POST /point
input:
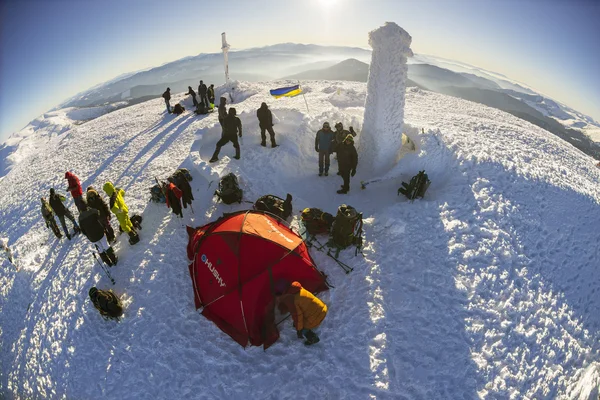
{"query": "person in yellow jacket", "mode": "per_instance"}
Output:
(119, 208)
(307, 311)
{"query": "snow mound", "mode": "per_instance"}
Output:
(486, 288)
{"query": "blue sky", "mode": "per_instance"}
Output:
(52, 49)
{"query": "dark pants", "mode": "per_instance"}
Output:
(168, 106)
(204, 99)
(80, 204)
(108, 229)
(195, 101)
(224, 140)
(70, 217)
(263, 136)
(324, 159)
(346, 176)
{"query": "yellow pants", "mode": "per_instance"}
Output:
(124, 222)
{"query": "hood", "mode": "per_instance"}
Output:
(68, 175)
(349, 137)
(294, 288)
(263, 105)
(52, 192)
(108, 188)
(222, 101)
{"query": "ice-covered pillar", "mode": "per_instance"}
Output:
(381, 137)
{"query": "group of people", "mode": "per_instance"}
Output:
(206, 94)
(340, 142)
(94, 216)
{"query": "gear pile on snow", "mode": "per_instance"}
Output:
(417, 186)
(275, 205)
(229, 190)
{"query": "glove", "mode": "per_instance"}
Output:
(239, 134)
(353, 172)
(316, 149)
(299, 334)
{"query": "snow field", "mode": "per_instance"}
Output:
(486, 288)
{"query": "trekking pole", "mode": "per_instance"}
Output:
(104, 269)
(347, 269)
(192, 208)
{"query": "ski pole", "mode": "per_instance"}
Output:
(104, 269)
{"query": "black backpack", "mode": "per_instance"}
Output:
(229, 190)
(316, 221)
(107, 303)
(275, 205)
(157, 194)
(417, 186)
(347, 228)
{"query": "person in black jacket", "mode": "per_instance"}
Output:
(56, 202)
(95, 201)
(347, 161)
(222, 110)
(211, 94)
(167, 96)
(202, 90)
(265, 122)
(193, 94)
(232, 128)
(92, 228)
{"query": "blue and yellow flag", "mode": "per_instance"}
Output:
(286, 91)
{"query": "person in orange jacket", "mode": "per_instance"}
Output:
(307, 311)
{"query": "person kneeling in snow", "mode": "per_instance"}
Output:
(347, 161)
(119, 208)
(93, 229)
(307, 311)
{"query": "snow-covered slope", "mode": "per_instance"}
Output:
(486, 288)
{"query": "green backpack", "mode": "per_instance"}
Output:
(107, 303)
(229, 190)
(417, 186)
(347, 228)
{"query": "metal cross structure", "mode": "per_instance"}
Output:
(225, 48)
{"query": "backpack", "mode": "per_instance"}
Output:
(316, 221)
(136, 221)
(417, 186)
(347, 227)
(107, 303)
(157, 194)
(178, 109)
(185, 173)
(229, 191)
(275, 205)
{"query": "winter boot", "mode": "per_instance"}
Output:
(77, 229)
(215, 156)
(68, 236)
(105, 259)
(110, 234)
(237, 153)
(112, 257)
(320, 173)
(273, 144)
(133, 237)
(311, 338)
(263, 143)
(342, 191)
(326, 173)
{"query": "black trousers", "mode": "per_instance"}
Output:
(324, 158)
(263, 136)
(346, 176)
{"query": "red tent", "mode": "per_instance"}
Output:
(237, 261)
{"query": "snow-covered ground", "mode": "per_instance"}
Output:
(486, 288)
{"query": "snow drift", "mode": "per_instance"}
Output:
(486, 288)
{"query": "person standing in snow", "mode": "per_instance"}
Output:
(265, 122)
(347, 161)
(75, 190)
(92, 228)
(202, 90)
(56, 202)
(340, 136)
(119, 208)
(232, 128)
(193, 94)
(48, 215)
(307, 311)
(167, 96)
(323, 145)
(211, 95)
(222, 110)
(95, 201)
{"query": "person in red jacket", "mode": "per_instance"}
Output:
(76, 191)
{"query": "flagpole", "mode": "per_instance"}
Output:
(304, 98)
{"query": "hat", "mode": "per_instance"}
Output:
(339, 125)
(51, 191)
(349, 137)
(294, 288)
(325, 124)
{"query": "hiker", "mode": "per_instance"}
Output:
(167, 96)
(193, 94)
(75, 190)
(211, 95)
(95, 201)
(307, 311)
(4, 246)
(48, 215)
(265, 122)
(202, 90)
(347, 162)
(232, 128)
(340, 136)
(92, 228)
(323, 145)
(56, 202)
(119, 208)
(106, 302)
(222, 110)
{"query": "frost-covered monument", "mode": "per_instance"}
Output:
(381, 137)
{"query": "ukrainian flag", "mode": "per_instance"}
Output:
(286, 91)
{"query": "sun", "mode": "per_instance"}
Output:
(327, 3)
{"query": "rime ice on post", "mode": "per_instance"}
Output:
(381, 137)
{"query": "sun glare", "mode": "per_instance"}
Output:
(327, 3)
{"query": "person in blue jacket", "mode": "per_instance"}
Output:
(324, 145)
